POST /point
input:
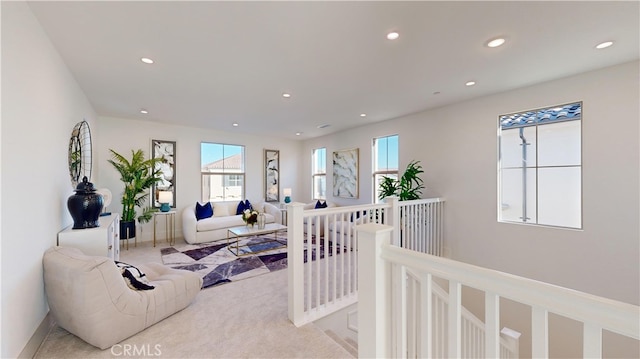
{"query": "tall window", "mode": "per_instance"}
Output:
(222, 171)
(319, 173)
(385, 161)
(540, 166)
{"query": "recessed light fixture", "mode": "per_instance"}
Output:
(235, 124)
(363, 115)
(496, 42)
(286, 95)
(436, 93)
(604, 45)
(146, 60)
(324, 126)
(144, 111)
(393, 35)
(470, 83)
(298, 133)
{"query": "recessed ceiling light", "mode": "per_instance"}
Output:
(286, 95)
(235, 125)
(298, 133)
(393, 35)
(496, 42)
(604, 45)
(363, 115)
(144, 111)
(470, 83)
(146, 60)
(436, 93)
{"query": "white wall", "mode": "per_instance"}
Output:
(461, 162)
(41, 102)
(457, 146)
(602, 258)
(361, 138)
(124, 135)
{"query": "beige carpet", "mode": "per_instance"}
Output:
(244, 319)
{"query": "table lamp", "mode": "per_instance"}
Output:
(287, 195)
(165, 198)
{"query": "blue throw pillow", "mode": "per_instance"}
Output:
(242, 206)
(203, 211)
(321, 205)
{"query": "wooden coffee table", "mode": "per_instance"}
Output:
(236, 233)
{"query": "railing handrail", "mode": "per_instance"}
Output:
(362, 207)
(340, 210)
(612, 315)
(420, 201)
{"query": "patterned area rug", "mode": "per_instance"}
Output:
(218, 264)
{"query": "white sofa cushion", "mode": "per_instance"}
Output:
(222, 209)
(216, 222)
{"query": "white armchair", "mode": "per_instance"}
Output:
(88, 296)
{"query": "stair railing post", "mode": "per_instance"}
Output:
(373, 291)
(394, 219)
(512, 339)
(295, 262)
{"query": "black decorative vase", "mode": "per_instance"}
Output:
(85, 205)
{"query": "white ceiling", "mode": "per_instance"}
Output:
(217, 63)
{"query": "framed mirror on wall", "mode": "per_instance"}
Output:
(165, 151)
(272, 175)
(80, 153)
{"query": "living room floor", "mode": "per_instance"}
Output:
(243, 319)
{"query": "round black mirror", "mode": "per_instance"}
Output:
(80, 153)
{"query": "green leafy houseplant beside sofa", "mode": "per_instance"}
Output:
(137, 175)
(224, 216)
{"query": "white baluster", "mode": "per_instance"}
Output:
(539, 332)
(492, 325)
(455, 303)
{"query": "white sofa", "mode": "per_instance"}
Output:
(224, 217)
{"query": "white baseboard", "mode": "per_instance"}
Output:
(38, 337)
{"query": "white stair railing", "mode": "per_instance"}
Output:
(322, 258)
(421, 225)
(384, 314)
(473, 336)
(472, 328)
(322, 250)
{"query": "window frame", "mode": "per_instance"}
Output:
(385, 172)
(224, 172)
(540, 122)
(318, 174)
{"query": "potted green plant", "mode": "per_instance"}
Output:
(409, 187)
(138, 175)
